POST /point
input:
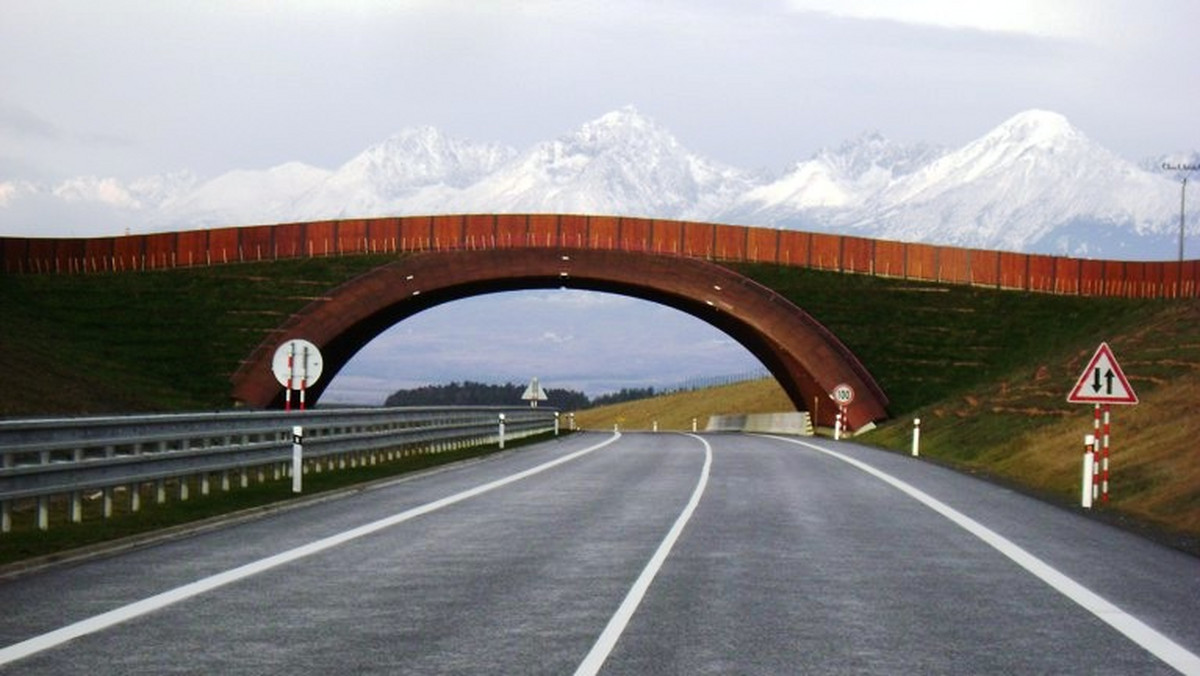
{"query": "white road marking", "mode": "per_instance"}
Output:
(1139, 632)
(103, 621)
(616, 625)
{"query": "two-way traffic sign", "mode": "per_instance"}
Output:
(1102, 382)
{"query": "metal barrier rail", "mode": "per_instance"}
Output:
(69, 457)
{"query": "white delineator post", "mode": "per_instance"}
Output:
(501, 430)
(916, 442)
(297, 458)
(1089, 471)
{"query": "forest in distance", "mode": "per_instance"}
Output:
(468, 393)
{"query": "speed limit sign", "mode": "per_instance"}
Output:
(843, 394)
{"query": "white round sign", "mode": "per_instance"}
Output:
(843, 394)
(297, 364)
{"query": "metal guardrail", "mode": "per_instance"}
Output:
(70, 457)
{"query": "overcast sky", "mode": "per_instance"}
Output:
(124, 89)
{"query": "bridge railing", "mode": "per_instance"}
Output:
(67, 460)
(713, 241)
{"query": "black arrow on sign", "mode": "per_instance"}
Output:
(1108, 380)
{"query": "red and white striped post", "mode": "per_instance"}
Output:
(291, 378)
(1104, 450)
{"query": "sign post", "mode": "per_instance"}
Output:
(296, 365)
(1101, 384)
(843, 396)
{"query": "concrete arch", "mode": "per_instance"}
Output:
(804, 356)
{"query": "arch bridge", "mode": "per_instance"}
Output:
(675, 263)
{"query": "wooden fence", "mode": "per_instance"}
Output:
(719, 242)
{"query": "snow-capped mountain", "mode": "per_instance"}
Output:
(1034, 183)
(414, 170)
(622, 158)
(817, 190)
(1015, 187)
(240, 197)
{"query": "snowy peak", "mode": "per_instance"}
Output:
(1041, 128)
(624, 128)
(622, 162)
(872, 152)
(422, 156)
(837, 177)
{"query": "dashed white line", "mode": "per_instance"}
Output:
(1139, 632)
(128, 612)
(616, 625)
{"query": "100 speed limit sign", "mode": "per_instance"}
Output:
(843, 394)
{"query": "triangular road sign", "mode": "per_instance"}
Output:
(1102, 382)
(534, 393)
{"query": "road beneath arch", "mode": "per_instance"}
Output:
(631, 554)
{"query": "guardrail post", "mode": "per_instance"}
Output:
(43, 512)
(76, 506)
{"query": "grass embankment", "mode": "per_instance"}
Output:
(1020, 429)
(160, 340)
(676, 411)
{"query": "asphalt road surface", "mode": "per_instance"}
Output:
(630, 554)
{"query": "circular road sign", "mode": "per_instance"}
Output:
(296, 362)
(843, 394)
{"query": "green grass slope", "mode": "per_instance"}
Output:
(146, 341)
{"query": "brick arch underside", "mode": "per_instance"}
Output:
(804, 357)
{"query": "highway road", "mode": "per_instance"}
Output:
(630, 554)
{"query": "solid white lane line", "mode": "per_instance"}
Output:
(1139, 632)
(616, 625)
(103, 621)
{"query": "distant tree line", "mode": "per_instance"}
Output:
(468, 393)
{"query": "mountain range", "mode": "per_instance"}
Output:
(1035, 183)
